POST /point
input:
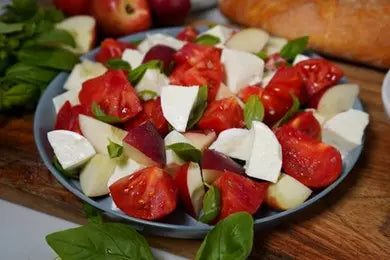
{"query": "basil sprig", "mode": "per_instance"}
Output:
(294, 47)
(207, 39)
(147, 94)
(262, 55)
(118, 64)
(68, 173)
(211, 204)
(186, 152)
(100, 115)
(253, 110)
(92, 213)
(137, 74)
(290, 113)
(114, 150)
(198, 108)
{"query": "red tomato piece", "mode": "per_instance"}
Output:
(152, 112)
(147, 194)
(274, 62)
(239, 193)
(245, 93)
(111, 48)
(308, 160)
(180, 178)
(318, 74)
(274, 107)
(188, 34)
(221, 115)
(305, 123)
(113, 93)
(68, 118)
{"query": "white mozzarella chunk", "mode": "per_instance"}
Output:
(123, 169)
(71, 95)
(345, 130)
(177, 103)
(152, 80)
(275, 45)
(242, 69)
(159, 38)
(72, 149)
(223, 33)
(82, 72)
(267, 78)
(299, 58)
(172, 138)
(234, 142)
(133, 57)
(265, 161)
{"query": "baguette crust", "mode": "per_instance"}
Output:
(356, 30)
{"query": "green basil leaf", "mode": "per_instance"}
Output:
(55, 36)
(118, 64)
(100, 115)
(211, 205)
(10, 27)
(93, 214)
(114, 150)
(290, 113)
(186, 152)
(49, 57)
(20, 95)
(253, 110)
(137, 74)
(52, 14)
(21, 72)
(25, 8)
(294, 47)
(207, 39)
(262, 55)
(147, 94)
(230, 239)
(68, 173)
(136, 42)
(100, 241)
(198, 108)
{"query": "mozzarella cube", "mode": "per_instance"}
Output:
(265, 160)
(133, 57)
(152, 80)
(82, 72)
(345, 130)
(172, 138)
(72, 149)
(234, 142)
(267, 78)
(71, 95)
(159, 38)
(223, 33)
(177, 103)
(299, 58)
(275, 45)
(242, 69)
(124, 168)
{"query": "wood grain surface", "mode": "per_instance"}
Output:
(352, 222)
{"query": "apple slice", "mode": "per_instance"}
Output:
(191, 189)
(144, 145)
(172, 138)
(82, 72)
(201, 139)
(95, 175)
(275, 45)
(286, 193)
(223, 92)
(83, 30)
(215, 163)
(124, 167)
(249, 40)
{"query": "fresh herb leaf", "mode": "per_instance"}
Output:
(290, 113)
(230, 239)
(211, 205)
(207, 39)
(52, 14)
(100, 115)
(19, 95)
(294, 47)
(198, 108)
(137, 74)
(68, 173)
(186, 152)
(21, 72)
(253, 110)
(10, 27)
(100, 241)
(118, 64)
(262, 55)
(114, 150)
(25, 8)
(147, 94)
(55, 37)
(92, 213)
(136, 42)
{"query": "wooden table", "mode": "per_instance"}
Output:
(353, 221)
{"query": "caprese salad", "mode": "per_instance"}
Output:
(220, 122)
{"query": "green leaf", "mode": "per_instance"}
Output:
(137, 74)
(10, 27)
(118, 64)
(100, 115)
(290, 113)
(198, 108)
(207, 39)
(25, 8)
(230, 239)
(20, 95)
(211, 205)
(294, 47)
(52, 14)
(136, 42)
(48, 57)
(114, 150)
(55, 37)
(68, 173)
(262, 55)
(100, 241)
(253, 110)
(93, 214)
(186, 152)
(147, 94)
(21, 72)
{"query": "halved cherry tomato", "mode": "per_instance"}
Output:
(221, 115)
(111, 48)
(305, 123)
(113, 93)
(180, 178)
(308, 160)
(246, 92)
(147, 194)
(274, 62)
(68, 118)
(152, 112)
(188, 34)
(274, 107)
(198, 65)
(239, 193)
(318, 74)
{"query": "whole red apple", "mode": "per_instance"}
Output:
(121, 17)
(170, 12)
(73, 7)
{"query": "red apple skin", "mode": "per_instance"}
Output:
(315, 99)
(214, 160)
(121, 17)
(73, 7)
(180, 179)
(170, 12)
(160, 52)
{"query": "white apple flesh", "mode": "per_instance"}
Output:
(249, 40)
(201, 140)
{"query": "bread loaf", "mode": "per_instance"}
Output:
(356, 30)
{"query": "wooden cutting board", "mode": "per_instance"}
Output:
(353, 221)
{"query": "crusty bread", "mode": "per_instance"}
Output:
(356, 30)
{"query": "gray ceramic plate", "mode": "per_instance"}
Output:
(178, 224)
